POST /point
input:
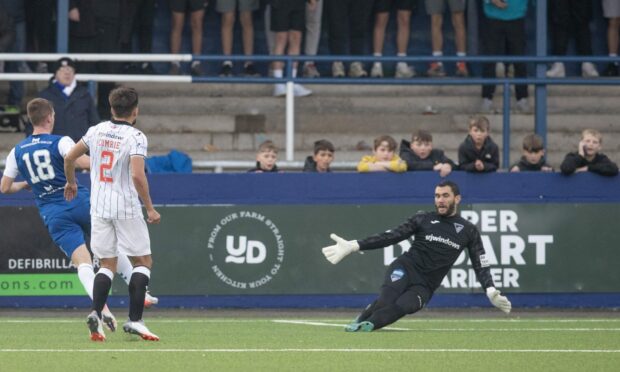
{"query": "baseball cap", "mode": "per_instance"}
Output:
(65, 61)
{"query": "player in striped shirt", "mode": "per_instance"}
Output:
(118, 182)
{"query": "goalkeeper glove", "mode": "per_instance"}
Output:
(342, 248)
(499, 301)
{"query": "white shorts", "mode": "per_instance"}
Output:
(110, 237)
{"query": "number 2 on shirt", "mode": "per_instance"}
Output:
(107, 159)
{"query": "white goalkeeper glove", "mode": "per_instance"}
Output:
(342, 248)
(499, 301)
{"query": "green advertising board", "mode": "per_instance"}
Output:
(235, 250)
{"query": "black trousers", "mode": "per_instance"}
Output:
(504, 38)
(348, 19)
(570, 18)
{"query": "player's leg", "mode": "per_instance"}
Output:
(408, 302)
(124, 269)
(134, 241)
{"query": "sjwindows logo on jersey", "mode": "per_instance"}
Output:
(246, 250)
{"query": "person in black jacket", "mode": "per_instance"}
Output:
(74, 107)
(322, 158)
(478, 153)
(419, 154)
(533, 158)
(411, 280)
(589, 158)
(266, 158)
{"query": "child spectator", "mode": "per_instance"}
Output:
(588, 156)
(419, 154)
(478, 153)
(288, 21)
(228, 9)
(322, 158)
(533, 158)
(266, 158)
(383, 158)
(403, 22)
(436, 9)
(611, 11)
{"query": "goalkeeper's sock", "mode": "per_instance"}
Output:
(367, 312)
(86, 274)
(101, 288)
(124, 268)
(137, 290)
(386, 315)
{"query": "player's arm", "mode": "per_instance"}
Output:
(142, 187)
(483, 272)
(71, 157)
(7, 183)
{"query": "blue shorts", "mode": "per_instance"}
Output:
(68, 227)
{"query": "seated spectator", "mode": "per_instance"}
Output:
(420, 155)
(611, 11)
(266, 158)
(566, 18)
(383, 158)
(74, 107)
(228, 8)
(436, 10)
(478, 153)
(533, 158)
(322, 158)
(196, 10)
(588, 157)
(403, 21)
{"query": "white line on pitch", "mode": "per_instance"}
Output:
(92, 350)
(321, 324)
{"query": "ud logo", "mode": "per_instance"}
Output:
(248, 251)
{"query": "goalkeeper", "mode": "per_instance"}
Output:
(411, 279)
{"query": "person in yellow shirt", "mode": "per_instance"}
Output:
(383, 159)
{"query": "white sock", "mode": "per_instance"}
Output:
(124, 267)
(277, 73)
(614, 55)
(294, 72)
(401, 64)
(438, 54)
(143, 270)
(87, 278)
(461, 54)
(194, 63)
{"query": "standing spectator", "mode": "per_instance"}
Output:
(196, 10)
(141, 13)
(16, 11)
(588, 157)
(403, 22)
(322, 158)
(73, 105)
(312, 36)
(436, 10)
(611, 11)
(504, 34)
(288, 22)
(41, 28)
(568, 17)
(478, 153)
(7, 33)
(228, 9)
(348, 19)
(83, 32)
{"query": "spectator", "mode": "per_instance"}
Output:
(403, 22)
(288, 22)
(196, 10)
(533, 158)
(478, 153)
(420, 155)
(41, 28)
(16, 11)
(436, 10)
(83, 31)
(611, 11)
(566, 17)
(141, 13)
(322, 158)
(348, 18)
(73, 105)
(228, 8)
(312, 36)
(588, 157)
(504, 34)
(383, 158)
(266, 158)
(7, 33)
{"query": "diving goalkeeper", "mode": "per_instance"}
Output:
(412, 278)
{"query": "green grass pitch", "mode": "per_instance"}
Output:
(307, 342)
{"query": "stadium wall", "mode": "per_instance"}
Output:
(248, 240)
